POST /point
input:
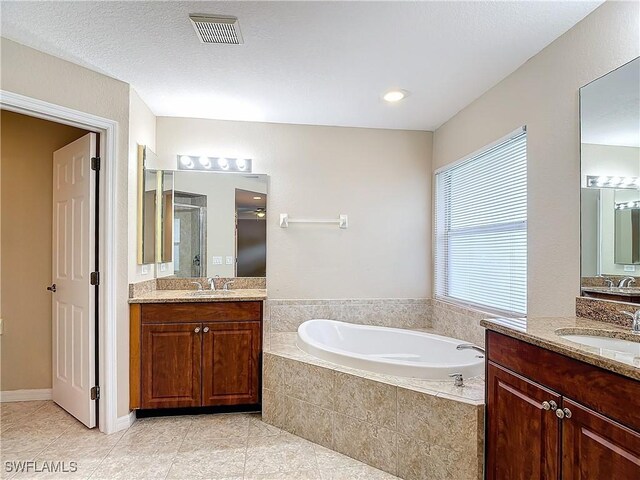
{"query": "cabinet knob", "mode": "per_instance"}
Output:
(550, 405)
(197, 330)
(560, 414)
(567, 413)
(205, 329)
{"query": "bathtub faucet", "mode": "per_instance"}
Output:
(470, 346)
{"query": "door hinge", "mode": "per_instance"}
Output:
(95, 393)
(95, 163)
(95, 278)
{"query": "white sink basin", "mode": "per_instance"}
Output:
(608, 346)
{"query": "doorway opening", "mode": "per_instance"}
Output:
(251, 234)
(105, 347)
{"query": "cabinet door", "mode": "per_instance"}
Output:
(595, 447)
(171, 355)
(522, 437)
(231, 363)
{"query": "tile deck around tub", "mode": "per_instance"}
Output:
(284, 344)
(216, 447)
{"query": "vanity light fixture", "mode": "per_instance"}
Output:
(214, 164)
(627, 205)
(393, 96)
(594, 181)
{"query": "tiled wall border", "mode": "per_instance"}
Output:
(408, 433)
(287, 315)
(459, 322)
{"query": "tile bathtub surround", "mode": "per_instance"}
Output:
(216, 447)
(287, 315)
(412, 428)
(459, 322)
(607, 311)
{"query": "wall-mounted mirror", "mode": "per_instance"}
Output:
(610, 180)
(219, 224)
(155, 211)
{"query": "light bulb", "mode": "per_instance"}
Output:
(223, 163)
(601, 181)
(241, 163)
(205, 162)
(615, 181)
(261, 214)
(186, 161)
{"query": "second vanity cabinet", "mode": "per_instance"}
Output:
(195, 354)
(552, 417)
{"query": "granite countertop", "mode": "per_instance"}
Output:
(544, 332)
(193, 296)
(626, 291)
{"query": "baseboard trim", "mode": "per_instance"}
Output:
(125, 421)
(25, 395)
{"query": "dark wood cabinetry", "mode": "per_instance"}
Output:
(195, 354)
(553, 417)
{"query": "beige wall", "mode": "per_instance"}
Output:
(378, 177)
(35, 74)
(27, 174)
(543, 95)
(142, 131)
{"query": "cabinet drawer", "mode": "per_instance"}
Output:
(613, 395)
(201, 312)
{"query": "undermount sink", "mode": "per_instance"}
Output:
(607, 345)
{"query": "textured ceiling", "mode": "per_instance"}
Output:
(322, 63)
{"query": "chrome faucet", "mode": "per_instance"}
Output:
(470, 346)
(197, 284)
(212, 282)
(635, 325)
(458, 380)
(226, 285)
(626, 281)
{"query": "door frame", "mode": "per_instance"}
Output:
(108, 421)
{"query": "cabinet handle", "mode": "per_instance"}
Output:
(205, 329)
(550, 405)
(197, 330)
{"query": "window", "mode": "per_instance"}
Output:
(481, 229)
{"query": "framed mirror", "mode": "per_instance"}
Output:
(155, 211)
(610, 181)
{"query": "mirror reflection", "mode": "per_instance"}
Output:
(219, 224)
(610, 180)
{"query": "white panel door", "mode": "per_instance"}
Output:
(74, 354)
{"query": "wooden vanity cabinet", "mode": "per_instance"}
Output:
(195, 354)
(596, 438)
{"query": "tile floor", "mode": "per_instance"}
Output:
(216, 447)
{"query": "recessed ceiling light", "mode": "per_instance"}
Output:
(394, 95)
(257, 198)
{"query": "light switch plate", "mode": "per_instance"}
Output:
(217, 260)
(229, 260)
(629, 268)
(144, 270)
(163, 267)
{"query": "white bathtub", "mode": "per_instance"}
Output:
(391, 351)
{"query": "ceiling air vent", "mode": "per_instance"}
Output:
(217, 29)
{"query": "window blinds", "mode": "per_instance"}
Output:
(481, 229)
